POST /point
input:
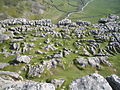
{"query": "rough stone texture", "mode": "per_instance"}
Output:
(92, 61)
(7, 83)
(90, 82)
(114, 81)
(51, 63)
(35, 70)
(23, 59)
(12, 74)
(83, 23)
(82, 61)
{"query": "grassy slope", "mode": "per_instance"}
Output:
(71, 72)
(98, 7)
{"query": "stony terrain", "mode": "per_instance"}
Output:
(33, 52)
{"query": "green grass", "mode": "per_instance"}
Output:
(71, 72)
(115, 60)
(96, 8)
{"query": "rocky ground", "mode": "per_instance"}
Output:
(32, 49)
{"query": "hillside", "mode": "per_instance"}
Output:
(59, 45)
(58, 9)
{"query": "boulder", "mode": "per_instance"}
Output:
(29, 85)
(35, 70)
(11, 74)
(51, 63)
(90, 82)
(103, 60)
(82, 61)
(22, 59)
(94, 61)
(7, 83)
(114, 81)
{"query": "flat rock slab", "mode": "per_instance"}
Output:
(12, 74)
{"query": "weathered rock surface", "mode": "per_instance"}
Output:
(82, 61)
(35, 70)
(7, 83)
(90, 82)
(51, 63)
(11, 74)
(114, 81)
(92, 61)
(51, 45)
(22, 59)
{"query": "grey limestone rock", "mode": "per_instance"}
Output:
(22, 59)
(51, 63)
(90, 82)
(83, 23)
(35, 70)
(11, 74)
(92, 61)
(82, 61)
(7, 83)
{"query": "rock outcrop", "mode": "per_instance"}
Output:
(92, 61)
(90, 82)
(22, 59)
(7, 83)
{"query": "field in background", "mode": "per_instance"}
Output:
(97, 9)
(59, 9)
